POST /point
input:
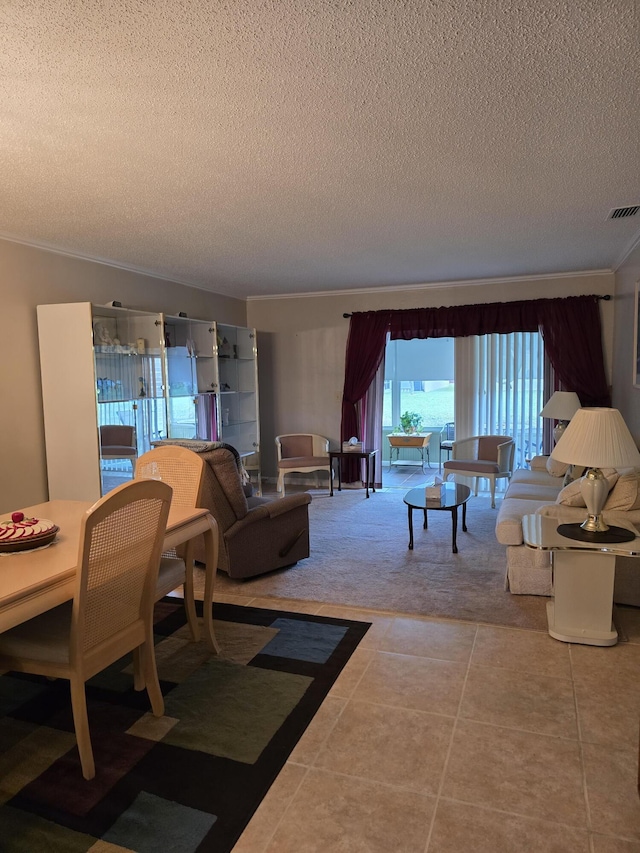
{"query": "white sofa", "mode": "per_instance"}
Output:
(535, 490)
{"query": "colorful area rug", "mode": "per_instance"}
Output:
(190, 780)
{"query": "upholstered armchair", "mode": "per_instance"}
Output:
(302, 453)
(489, 456)
(118, 441)
(257, 535)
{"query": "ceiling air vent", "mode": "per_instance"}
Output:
(624, 212)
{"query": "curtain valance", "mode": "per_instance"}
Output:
(570, 328)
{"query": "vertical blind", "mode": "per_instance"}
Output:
(500, 389)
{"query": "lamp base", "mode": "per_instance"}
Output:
(613, 534)
(558, 430)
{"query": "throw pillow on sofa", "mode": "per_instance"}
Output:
(574, 472)
(555, 468)
(563, 469)
(625, 495)
(571, 495)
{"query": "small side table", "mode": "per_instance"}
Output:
(418, 441)
(583, 574)
(367, 455)
(454, 496)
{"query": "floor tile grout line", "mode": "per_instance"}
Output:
(347, 700)
(522, 815)
(351, 699)
(420, 657)
(352, 777)
(583, 766)
(286, 808)
(391, 614)
(391, 707)
(458, 717)
(312, 764)
(445, 766)
(440, 798)
(562, 738)
(248, 601)
(528, 672)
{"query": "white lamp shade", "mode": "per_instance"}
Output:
(562, 406)
(597, 438)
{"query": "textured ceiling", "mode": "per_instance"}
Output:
(259, 147)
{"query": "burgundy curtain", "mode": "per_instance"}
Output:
(365, 350)
(569, 326)
(572, 335)
(461, 321)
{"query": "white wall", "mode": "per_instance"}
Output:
(29, 277)
(625, 396)
(302, 341)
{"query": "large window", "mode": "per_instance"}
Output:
(490, 384)
(419, 377)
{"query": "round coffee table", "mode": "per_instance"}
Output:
(455, 495)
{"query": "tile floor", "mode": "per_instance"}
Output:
(448, 737)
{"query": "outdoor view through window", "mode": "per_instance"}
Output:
(503, 387)
(419, 377)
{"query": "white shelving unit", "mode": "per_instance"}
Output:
(99, 365)
(169, 377)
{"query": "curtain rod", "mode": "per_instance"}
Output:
(606, 298)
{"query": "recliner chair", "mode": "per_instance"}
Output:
(256, 534)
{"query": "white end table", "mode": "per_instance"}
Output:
(581, 610)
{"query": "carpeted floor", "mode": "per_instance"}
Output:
(359, 557)
(185, 782)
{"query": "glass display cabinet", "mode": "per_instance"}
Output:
(127, 347)
(191, 371)
(101, 367)
(114, 380)
(238, 418)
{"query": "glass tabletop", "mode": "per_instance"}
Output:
(454, 495)
(542, 532)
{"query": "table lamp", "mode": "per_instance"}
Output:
(596, 438)
(561, 406)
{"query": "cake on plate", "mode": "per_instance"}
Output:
(20, 530)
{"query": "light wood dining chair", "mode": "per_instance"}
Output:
(183, 470)
(111, 613)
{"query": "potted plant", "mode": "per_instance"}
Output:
(410, 422)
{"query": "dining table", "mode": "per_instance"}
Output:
(36, 580)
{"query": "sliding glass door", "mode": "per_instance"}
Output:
(490, 384)
(500, 381)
